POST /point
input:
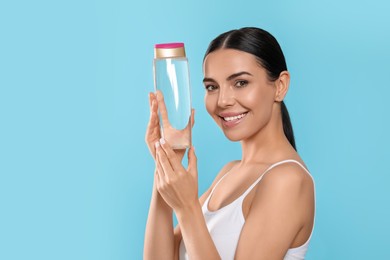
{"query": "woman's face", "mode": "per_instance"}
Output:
(239, 96)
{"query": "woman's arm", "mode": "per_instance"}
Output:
(282, 207)
(159, 242)
(199, 244)
(177, 233)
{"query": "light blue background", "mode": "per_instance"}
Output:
(75, 174)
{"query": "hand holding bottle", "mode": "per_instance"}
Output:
(177, 186)
(153, 134)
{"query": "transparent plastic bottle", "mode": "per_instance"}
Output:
(172, 83)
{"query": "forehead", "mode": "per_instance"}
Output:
(228, 61)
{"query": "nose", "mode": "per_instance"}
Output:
(226, 97)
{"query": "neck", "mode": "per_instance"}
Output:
(268, 145)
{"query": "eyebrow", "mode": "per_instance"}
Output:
(235, 75)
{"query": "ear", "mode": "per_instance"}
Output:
(282, 84)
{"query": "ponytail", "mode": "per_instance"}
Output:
(287, 127)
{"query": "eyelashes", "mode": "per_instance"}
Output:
(210, 88)
(241, 83)
(237, 84)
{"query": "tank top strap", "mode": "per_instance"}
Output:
(267, 170)
(215, 186)
(206, 203)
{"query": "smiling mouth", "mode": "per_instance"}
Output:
(233, 118)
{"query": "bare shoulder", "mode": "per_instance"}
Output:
(287, 183)
(281, 213)
(290, 175)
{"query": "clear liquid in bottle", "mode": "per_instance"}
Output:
(172, 86)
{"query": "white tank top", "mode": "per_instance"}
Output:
(225, 224)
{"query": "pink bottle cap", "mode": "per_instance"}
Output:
(169, 50)
(172, 45)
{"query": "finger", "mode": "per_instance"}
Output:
(160, 169)
(153, 113)
(150, 98)
(162, 108)
(153, 129)
(164, 161)
(171, 155)
(192, 117)
(192, 162)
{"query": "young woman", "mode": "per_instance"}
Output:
(259, 207)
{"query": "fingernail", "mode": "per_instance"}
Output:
(162, 141)
(157, 144)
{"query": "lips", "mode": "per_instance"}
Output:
(232, 119)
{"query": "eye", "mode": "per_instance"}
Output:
(241, 83)
(210, 88)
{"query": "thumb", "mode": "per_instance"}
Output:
(192, 162)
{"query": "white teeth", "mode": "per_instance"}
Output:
(231, 118)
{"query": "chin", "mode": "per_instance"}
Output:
(234, 137)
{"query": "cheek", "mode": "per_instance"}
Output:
(264, 94)
(260, 98)
(252, 101)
